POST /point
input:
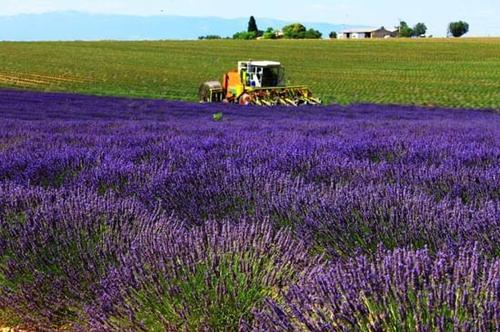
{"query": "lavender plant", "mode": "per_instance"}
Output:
(209, 278)
(56, 246)
(399, 291)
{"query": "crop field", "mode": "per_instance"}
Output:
(122, 214)
(461, 73)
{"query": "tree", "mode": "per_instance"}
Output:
(299, 31)
(294, 31)
(404, 30)
(333, 35)
(252, 25)
(312, 34)
(458, 29)
(419, 29)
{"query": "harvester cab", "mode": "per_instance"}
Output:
(260, 74)
(258, 83)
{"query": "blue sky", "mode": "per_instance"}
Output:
(483, 15)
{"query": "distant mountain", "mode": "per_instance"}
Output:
(83, 26)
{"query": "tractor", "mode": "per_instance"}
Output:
(256, 83)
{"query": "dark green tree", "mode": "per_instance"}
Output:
(252, 25)
(333, 35)
(419, 29)
(458, 29)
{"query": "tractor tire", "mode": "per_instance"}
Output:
(204, 92)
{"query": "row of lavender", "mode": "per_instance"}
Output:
(120, 214)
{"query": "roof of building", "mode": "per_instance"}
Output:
(265, 63)
(364, 30)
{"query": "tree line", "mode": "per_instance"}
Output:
(455, 29)
(299, 31)
(405, 31)
(291, 31)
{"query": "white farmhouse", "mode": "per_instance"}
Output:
(368, 33)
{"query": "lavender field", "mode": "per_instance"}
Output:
(147, 215)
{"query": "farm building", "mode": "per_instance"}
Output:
(368, 33)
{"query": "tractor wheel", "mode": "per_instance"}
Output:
(245, 99)
(205, 91)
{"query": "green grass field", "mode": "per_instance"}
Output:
(443, 72)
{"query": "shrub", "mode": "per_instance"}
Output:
(209, 37)
(245, 35)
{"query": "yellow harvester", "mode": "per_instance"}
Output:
(258, 83)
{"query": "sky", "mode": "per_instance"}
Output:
(482, 15)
